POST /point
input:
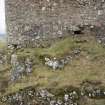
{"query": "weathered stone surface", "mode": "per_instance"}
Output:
(29, 21)
(56, 63)
(20, 68)
(70, 95)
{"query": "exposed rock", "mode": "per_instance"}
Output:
(13, 59)
(3, 58)
(33, 96)
(66, 97)
(28, 65)
(20, 68)
(55, 63)
(27, 20)
(17, 71)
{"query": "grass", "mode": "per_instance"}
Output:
(65, 46)
(89, 65)
(2, 44)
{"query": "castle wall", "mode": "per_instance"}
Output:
(31, 20)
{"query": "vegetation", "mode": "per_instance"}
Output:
(89, 65)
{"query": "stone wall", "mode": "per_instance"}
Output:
(32, 20)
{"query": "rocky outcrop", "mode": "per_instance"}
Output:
(56, 63)
(18, 69)
(68, 96)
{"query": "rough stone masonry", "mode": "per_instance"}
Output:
(31, 21)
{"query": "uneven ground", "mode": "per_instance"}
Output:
(89, 65)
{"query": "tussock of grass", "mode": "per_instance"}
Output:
(2, 45)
